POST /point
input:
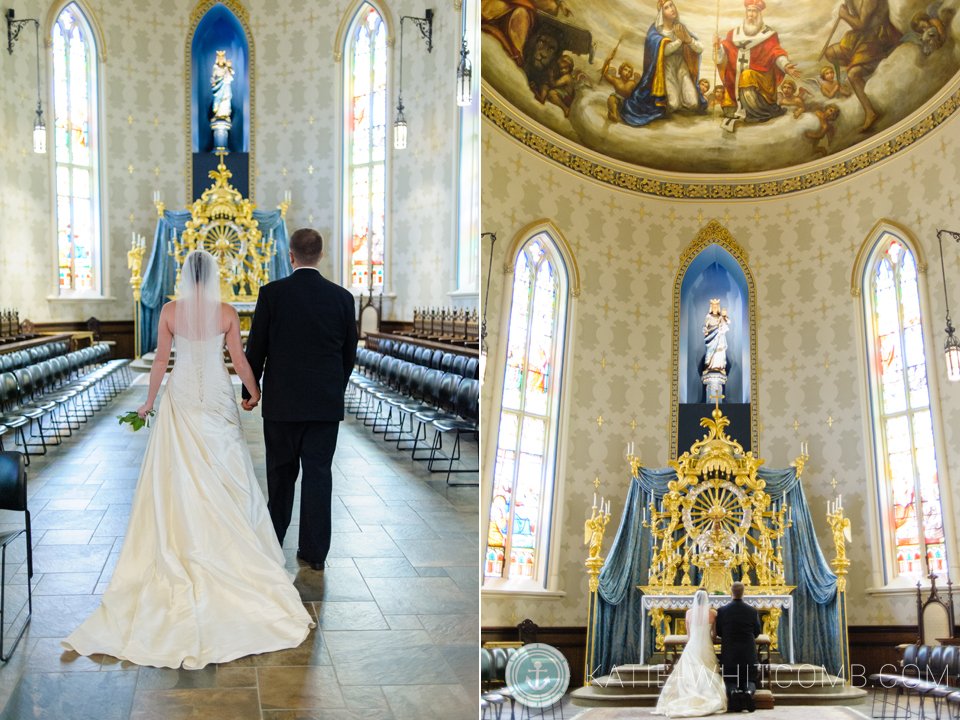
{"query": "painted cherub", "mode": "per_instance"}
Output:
(624, 80)
(830, 86)
(827, 117)
(559, 88)
(792, 98)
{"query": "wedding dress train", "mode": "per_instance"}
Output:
(695, 688)
(201, 577)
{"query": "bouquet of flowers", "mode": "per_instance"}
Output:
(134, 421)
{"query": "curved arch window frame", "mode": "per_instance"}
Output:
(886, 577)
(344, 53)
(545, 582)
(97, 141)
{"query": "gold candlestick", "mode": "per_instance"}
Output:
(593, 536)
(134, 264)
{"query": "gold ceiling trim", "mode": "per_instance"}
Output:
(196, 15)
(507, 118)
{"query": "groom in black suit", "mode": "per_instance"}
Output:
(738, 626)
(304, 329)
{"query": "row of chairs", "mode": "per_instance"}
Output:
(401, 400)
(31, 356)
(437, 359)
(927, 671)
(65, 391)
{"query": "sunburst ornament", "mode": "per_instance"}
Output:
(222, 223)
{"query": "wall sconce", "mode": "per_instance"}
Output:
(951, 347)
(13, 33)
(425, 26)
(464, 76)
(486, 296)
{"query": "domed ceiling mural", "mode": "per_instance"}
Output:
(718, 87)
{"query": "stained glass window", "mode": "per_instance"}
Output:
(366, 150)
(902, 406)
(522, 474)
(74, 102)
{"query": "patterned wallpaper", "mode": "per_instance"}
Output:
(801, 252)
(298, 109)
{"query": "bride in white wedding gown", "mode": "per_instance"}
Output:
(695, 688)
(201, 577)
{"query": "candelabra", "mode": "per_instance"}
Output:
(841, 533)
(593, 536)
(134, 263)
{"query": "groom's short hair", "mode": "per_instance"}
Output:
(306, 244)
(736, 590)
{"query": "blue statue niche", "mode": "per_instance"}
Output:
(219, 31)
(714, 275)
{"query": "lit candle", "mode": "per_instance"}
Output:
(594, 501)
(608, 508)
(840, 502)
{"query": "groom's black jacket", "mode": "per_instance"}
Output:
(738, 626)
(304, 329)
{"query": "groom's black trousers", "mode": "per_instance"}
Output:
(289, 446)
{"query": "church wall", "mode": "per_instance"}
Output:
(801, 252)
(298, 114)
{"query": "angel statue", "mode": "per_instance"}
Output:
(715, 329)
(593, 532)
(221, 80)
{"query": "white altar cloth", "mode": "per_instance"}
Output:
(684, 602)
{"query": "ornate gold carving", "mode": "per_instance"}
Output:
(222, 223)
(507, 269)
(661, 623)
(855, 291)
(243, 16)
(637, 182)
(771, 625)
(234, 6)
(337, 56)
(921, 269)
(575, 293)
(714, 233)
(716, 516)
(841, 531)
(593, 536)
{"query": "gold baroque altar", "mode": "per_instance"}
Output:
(222, 223)
(716, 517)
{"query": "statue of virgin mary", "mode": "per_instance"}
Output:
(221, 81)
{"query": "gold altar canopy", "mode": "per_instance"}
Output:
(716, 517)
(222, 223)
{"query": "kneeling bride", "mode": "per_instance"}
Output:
(695, 688)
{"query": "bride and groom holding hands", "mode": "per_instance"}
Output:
(201, 577)
(699, 686)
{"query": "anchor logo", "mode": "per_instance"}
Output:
(536, 683)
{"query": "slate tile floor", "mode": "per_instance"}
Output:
(397, 605)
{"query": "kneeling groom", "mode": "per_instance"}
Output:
(738, 626)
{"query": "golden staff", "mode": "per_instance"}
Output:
(606, 63)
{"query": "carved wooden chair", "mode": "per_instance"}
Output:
(370, 314)
(934, 616)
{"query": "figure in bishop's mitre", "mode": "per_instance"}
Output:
(221, 81)
(715, 329)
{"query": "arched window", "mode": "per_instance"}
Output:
(76, 142)
(365, 162)
(902, 415)
(524, 468)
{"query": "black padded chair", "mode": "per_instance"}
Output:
(459, 365)
(446, 363)
(13, 496)
(466, 420)
(436, 358)
(472, 368)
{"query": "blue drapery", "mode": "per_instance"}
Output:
(160, 275)
(816, 633)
